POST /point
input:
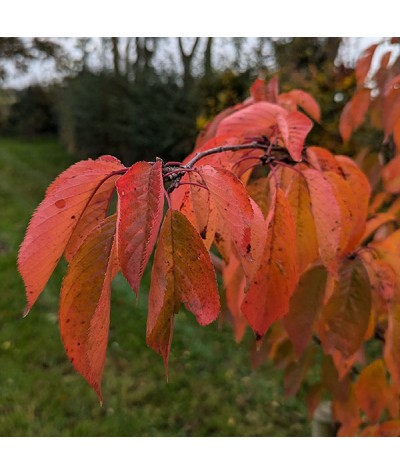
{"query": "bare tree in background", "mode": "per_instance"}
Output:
(187, 60)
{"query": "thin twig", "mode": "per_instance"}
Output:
(224, 148)
(170, 164)
(174, 172)
(191, 183)
(252, 157)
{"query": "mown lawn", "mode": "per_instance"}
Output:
(212, 390)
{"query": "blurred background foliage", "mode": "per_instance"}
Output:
(138, 98)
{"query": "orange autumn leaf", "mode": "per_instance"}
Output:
(370, 390)
(296, 371)
(182, 273)
(305, 307)
(389, 429)
(354, 113)
(345, 318)
(85, 303)
(234, 284)
(345, 410)
(327, 218)
(268, 295)
(306, 236)
(323, 160)
(391, 175)
(361, 191)
(375, 222)
(383, 283)
(233, 206)
(392, 345)
(347, 202)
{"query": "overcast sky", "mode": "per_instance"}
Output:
(45, 72)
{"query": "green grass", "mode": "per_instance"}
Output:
(212, 390)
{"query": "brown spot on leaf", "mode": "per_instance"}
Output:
(60, 203)
(203, 233)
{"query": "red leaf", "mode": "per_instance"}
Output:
(305, 307)
(273, 90)
(370, 390)
(196, 205)
(267, 299)
(323, 160)
(55, 220)
(258, 238)
(294, 128)
(307, 103)
(182, 273)
(234, 284)
(140, 211)
(233, 206)
(345, 318)
(354, 113)
(364, 63)
(210, 130)
(255, 120)
(260, 91)
(85, 303)
(94, 213)
(327, 218)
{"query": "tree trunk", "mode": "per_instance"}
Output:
(115, 51)
(208, 69)
(187, 59)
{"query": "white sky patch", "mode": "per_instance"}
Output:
(167, 57)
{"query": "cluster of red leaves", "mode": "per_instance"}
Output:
(290, 224)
